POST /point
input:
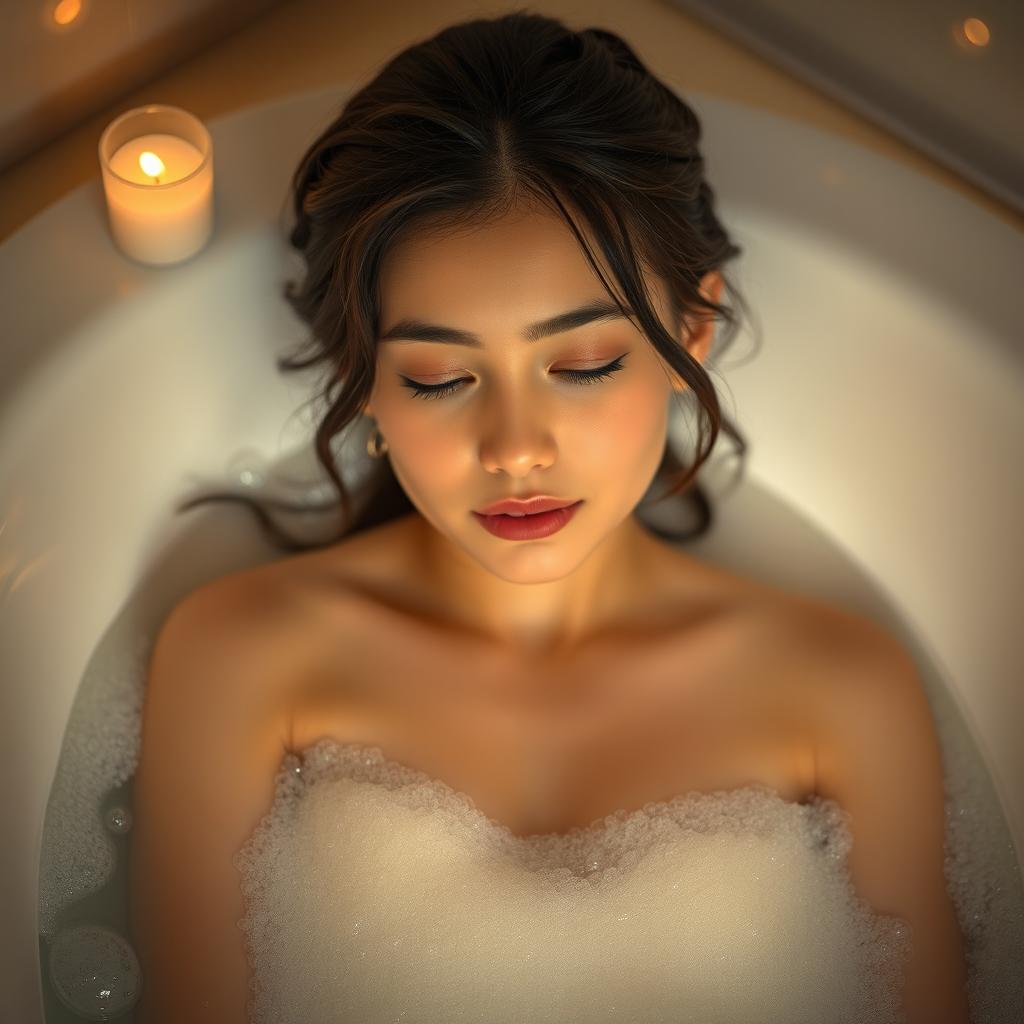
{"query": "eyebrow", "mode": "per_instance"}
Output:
(417, 330)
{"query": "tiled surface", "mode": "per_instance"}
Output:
(310, 44)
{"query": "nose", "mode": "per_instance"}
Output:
(516, 445)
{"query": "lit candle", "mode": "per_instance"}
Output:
(157, 165)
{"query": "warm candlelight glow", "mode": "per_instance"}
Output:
(976, 31)
(972, 35)
(157, 166)
(66, 11)
(151, 164)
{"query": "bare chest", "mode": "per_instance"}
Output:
(545, 748)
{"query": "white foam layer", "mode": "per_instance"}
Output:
(375, 893)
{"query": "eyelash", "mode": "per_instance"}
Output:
(579, 376)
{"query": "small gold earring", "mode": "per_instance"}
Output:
(376, 446)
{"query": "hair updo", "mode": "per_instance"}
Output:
(458, 129)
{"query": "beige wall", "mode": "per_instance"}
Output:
(54, 74)
(310, 44)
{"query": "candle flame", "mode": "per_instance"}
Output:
(151, 164)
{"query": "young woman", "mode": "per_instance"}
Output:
(514, 266)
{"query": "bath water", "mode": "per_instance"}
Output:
(87, 960)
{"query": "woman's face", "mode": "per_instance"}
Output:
(516, 424)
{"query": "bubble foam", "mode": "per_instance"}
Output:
(100, 753)
(376, 893)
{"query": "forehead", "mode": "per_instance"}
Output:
(521, 264)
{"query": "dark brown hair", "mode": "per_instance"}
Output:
(456, 130)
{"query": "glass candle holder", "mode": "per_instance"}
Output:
(157, 164)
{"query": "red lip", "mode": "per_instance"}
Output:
(529, 506)
(528, 527)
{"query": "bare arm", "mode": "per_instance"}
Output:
(212, 741)
(879, 757)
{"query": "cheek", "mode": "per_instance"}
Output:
(439, 455)
(627, 431)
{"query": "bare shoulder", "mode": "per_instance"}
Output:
(871, 704)
(807, 636)
(878, 756)
(850, 663)
(285, 616)
(251, 629)
(859, 661)
(835, 662)
(246, 610)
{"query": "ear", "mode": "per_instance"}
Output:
(698, 329)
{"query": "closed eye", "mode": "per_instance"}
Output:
(450, 386)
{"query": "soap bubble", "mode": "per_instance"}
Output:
(94, 972)
(118, 820)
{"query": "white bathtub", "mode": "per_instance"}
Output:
(883, 412)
